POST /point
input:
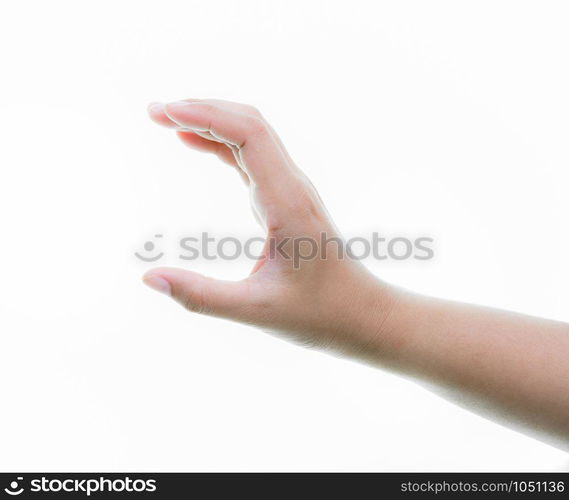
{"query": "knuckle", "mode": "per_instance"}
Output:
(253, 111)
(193, 305)
(256, 127)
(304, 205)
(195, 301)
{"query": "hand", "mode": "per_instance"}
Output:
(327, 300)
(510, 367)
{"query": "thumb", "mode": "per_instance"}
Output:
(201, 294)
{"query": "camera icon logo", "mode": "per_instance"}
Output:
(149, 248)
(13, 488)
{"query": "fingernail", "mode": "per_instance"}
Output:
(158, 283)
(155, 106)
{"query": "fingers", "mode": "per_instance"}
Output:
(201, 294)
(280, 192)
(260, 153)
(200, 143)
(157, 112)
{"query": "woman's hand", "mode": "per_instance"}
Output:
(305, 286)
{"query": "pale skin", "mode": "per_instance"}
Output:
(506, 366)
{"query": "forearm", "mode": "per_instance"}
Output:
(507, 366)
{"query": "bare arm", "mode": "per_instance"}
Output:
(508, 366)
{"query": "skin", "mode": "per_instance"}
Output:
(509, 367)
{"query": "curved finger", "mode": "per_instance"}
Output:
(157, 112)
(199, 143)
(261, 155)
(158, 115)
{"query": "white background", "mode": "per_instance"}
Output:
(446, 119)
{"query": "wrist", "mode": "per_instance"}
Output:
(375, 328)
